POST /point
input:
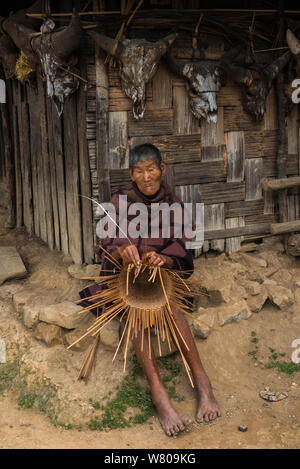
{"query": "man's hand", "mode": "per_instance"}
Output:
(159, 260)
(129, 254)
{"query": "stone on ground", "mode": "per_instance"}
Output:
(203, 322)
(48, 333)
(234, 312)
(63, 314)
(11, 264)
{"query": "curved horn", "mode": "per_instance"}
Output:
(293, 42)
(166, 42)
(8, 56)
(20, 35)
(111, 46)
(275, 67)
(66, 41)
(239, 74)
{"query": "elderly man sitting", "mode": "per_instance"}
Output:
(147, 171)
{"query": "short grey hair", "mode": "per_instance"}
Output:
(143, 152)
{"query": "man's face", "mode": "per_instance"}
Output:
(148, 176)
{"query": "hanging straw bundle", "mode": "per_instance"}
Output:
(143, 297)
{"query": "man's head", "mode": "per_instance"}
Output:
(146, 168)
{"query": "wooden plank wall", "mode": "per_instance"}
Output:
(224, 162)
(86, 151)
(52, 169)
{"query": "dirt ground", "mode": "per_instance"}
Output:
(237, 378)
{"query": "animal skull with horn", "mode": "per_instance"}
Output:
(138, 60)
(52, 50)
(256, 80)
(9, 52)
(203, 83)
(294, 45)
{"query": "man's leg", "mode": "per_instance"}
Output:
(170, 420)
(208, 408)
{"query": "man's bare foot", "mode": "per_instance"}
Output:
(171, 422)
(208, 408)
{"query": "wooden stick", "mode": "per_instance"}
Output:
(281, 183)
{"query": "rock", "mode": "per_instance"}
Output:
(253, 288)
(22, 297)
(110, 334)
(67, 259)
(253, 261)
(78, 270)
(284, 278)
(48, 333)
(71, 336)
(279, 296)
(203, 329)
(272, 396)
(8, 290)
(234, 312)
(213, 298)
(31, 315)
(2, 351)
(242, 428)
(256, 302)
(63, 314)
(11, 264)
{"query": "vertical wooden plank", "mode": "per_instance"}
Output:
(162, 88)
(53, 176)
(85, 174)
(35, 150)
(118, 140)
(292, 127)
(214, 219)
(269, 201)
(60, 179)
(212, 133)
(72, 179)
(18, 173)
(8, 156)
(27, 184)
(235, 148)
(102, 126)
(270, 116)
(45, 170)
(234, 244)
(19, 98)
(184, 121)
(253, 178)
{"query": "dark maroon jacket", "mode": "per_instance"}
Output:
(172, 246)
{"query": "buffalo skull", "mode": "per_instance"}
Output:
(9, 52)
(203, 83)
(138, 61)
(256, 81)
(52, 50)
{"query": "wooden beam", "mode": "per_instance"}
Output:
(283, 183)
(238, 231)
(286, 227)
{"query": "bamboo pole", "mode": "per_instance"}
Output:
(188, 11)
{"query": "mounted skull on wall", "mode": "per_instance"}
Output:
(9, 52)
(52, 50)
(256, 80)
(138, 62)
(203, 83)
